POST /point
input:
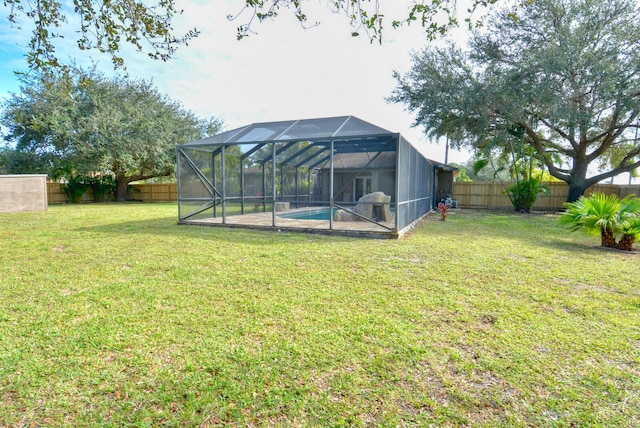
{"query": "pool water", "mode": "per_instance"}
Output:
(316, 214)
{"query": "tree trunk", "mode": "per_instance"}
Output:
(578, 181)
(608, 238)
(576, 189)
(626, 242)
(121, 191)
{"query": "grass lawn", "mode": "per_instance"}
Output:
(113, 315)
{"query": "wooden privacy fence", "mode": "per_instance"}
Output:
(137, 192)
(481, 195)
(490, 195)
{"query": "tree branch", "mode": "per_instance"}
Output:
(564, 135)
(610, 136)
(139, 177)
(616, 171)
(539, 146)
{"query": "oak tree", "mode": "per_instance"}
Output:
(81, 120)
(565, 72)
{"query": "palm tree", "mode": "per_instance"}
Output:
(629, 233)
(607, 215)
(630, 224)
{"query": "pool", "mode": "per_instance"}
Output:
(314, 214)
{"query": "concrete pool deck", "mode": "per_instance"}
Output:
(264, 221)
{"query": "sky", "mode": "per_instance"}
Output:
(282, 72)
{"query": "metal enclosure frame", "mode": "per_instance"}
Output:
(273, 176)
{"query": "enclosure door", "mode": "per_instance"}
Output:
(363, 186)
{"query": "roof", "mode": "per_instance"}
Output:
(307, 142)
(445, 167)
(321, 130)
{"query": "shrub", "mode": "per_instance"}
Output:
(444, 210)
(102, 187)
(523, 194)
(607, 215)
(75, 188)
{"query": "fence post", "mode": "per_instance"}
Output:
(490, 196)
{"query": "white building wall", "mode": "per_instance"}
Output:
(23, 193)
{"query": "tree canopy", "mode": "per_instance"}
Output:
(101, 25)
(73, 120)
(566, 73)
(369, 16)
(148, 26)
